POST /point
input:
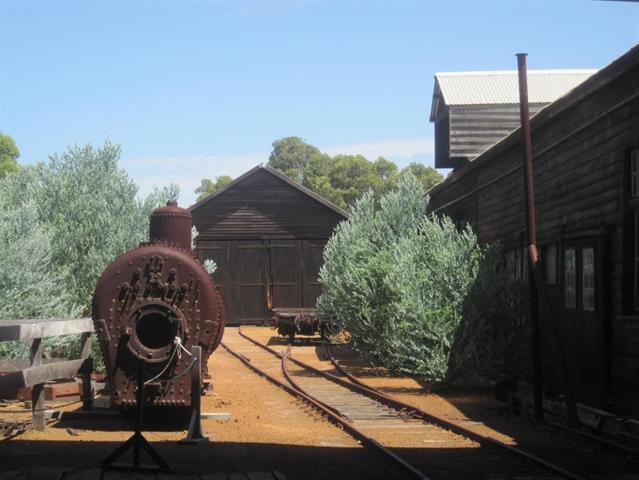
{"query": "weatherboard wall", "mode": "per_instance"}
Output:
(264, 206)
(581, 146)
(475, 128)
(266, 235)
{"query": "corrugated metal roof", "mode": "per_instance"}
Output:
(481, 88)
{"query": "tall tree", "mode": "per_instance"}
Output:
(208, 186)
(341, 179)
(351, 176)
(385, 169)
(298, 160)
(427, 176)
(9, 153)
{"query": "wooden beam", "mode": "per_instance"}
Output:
(39, 374)
(16, 364)
(42, 328)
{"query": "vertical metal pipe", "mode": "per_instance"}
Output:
(536, 281)
(531, 236)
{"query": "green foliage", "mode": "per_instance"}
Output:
(208, 186)
(91, 207)
(61, 223)
(427, 176)
(9, 153)
(30, 284)
(298, 160)
(410, 288)
(342, 179)
(350, 176)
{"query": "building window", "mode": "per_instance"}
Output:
(570, 278)
(550, 263)
(634, 173)
(588, 279)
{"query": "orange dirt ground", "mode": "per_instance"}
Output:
(474, 409)
(270, 430)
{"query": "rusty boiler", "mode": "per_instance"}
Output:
(154, 303)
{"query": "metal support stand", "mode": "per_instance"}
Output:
(87, 368)
(137, 440)
(195, 435)
(37, 391)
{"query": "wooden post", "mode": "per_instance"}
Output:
(87, 368)
(37, 391)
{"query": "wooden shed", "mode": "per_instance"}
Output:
(586, 171)
(474, 110)
(266, 233)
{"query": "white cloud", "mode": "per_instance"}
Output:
(188, 171)
(405, 149)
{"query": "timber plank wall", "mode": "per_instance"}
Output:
(580, 145)
(266, 234)
(263, 206)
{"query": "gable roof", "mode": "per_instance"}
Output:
(279, 175)
(502, 87)
(597, 81)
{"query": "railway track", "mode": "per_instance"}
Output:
(426, 447)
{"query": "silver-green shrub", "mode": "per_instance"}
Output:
(61, 223)
(403, 285)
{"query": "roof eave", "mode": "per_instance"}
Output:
(598, 80)
(279, 175)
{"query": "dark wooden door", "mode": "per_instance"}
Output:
(246, 296)
(583, 319)
(257, 275)
(285, 279)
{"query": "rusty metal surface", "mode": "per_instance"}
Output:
(536, 282)
(148, 304)
(172, 225)
(291, 321)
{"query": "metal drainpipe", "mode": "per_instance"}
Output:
(536, 281)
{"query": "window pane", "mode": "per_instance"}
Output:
(588, 279)
(550, 257)
(570, 278)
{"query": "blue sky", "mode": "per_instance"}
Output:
(200, 89)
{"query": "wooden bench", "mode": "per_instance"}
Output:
(38, 371)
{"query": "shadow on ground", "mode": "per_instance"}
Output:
(295, 462)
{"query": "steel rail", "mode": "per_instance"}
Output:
(423, 415)
(351, 428)
(325, 409)
(590, 436)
